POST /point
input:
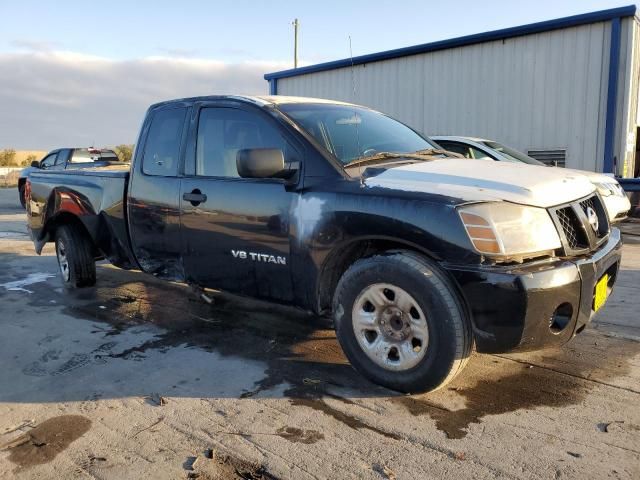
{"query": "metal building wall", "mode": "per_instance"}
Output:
(540, 91)
(628, 113)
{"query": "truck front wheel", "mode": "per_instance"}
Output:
(75, 257)
(401, 323)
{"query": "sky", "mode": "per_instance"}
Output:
(81, 73)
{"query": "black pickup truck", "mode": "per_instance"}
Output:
(339, 209)
(67, 159)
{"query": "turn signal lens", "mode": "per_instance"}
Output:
(480, 233)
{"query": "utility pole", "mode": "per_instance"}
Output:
(295, 24)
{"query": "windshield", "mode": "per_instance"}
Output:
(351, 132)
(512, 155)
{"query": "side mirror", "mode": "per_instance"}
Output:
(35, 164)
(261, 163)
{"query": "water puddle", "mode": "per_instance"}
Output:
(32, 278)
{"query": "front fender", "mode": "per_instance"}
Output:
(326, 227)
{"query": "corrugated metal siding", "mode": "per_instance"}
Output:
(541, 91)
(628, 85)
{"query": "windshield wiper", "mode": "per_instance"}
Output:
(420, 156)
(438, 151)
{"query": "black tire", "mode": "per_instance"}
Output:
(450, 339)
(23, 201)
(75, 248)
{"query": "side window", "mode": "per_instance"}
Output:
(479, 154)
(222, 132)
(62, 157)
(456, 148)
(49, 161)
(162, 148)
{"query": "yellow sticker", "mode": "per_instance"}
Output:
(600, 296)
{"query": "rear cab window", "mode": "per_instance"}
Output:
(161, 154)
(81, 155)
(89, 155)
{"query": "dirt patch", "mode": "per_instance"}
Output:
(226, 467)
(47, 440)
(298, 435)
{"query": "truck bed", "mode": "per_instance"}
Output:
(94, 196)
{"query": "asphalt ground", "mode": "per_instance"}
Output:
(137, 378)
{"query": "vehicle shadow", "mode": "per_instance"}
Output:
(137, 316)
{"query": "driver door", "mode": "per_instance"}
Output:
(235, 231)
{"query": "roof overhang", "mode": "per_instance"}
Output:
(539, 27)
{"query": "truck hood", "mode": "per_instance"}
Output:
(24, 173)
(476, 180)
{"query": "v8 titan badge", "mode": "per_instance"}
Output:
(259, 257)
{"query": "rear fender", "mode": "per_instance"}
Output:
(65, 206)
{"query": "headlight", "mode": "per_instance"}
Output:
(609, 188)
(508, 231)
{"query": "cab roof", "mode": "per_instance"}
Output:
(261, 100)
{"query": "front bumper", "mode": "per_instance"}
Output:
(521, 307)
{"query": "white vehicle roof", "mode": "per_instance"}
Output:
(283, 99)
(459, 138)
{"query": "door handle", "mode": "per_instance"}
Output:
(196, 197)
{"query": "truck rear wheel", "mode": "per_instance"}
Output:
(75, 257)
(401, 323)
(23, 200)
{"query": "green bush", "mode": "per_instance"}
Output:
(124, 152)
(30, 158)
(7, 157)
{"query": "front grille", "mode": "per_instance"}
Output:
(594, 204)
(570, 223)
(589, 202)
(579, 234)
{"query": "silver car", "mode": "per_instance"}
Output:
(615, 200)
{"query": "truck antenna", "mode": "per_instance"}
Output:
(355, 113)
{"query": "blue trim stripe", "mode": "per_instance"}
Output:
(575, 20)
(612, 96)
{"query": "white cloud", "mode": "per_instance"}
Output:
(51, 99)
